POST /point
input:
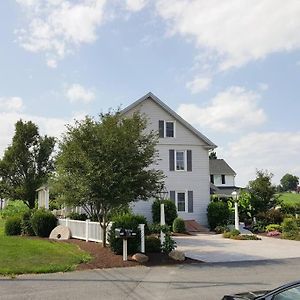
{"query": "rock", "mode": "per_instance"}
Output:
(140, 258)
(177, 255)
(60, 232)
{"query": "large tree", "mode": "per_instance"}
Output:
(289, 182)
(105, 164)
(262, 192)
(26, 164)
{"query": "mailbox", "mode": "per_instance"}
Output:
(123, 233)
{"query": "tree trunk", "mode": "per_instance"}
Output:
(104, 228)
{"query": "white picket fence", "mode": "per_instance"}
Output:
(92, 231)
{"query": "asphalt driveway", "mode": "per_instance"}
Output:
(215, 248)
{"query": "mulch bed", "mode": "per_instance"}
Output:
(104, 258)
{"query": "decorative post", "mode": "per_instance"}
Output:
(142, 228)
(236, 210)
(163, 194)
(124, 249)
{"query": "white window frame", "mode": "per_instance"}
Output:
(184, 160)
(165, 129)
(185, 200)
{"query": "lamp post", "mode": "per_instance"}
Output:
(236, 210)
(162, 196)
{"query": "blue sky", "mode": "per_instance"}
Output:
(230, 68)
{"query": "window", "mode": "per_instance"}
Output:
(180, 160)
(169, 129)
(223, 179)
(166, 128)
(290, 294)
(212, 179)
(181, 201)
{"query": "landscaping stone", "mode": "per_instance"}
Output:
(141, 258)
(60, 232)
(177, 255)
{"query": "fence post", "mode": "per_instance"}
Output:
(142, 228)
(67, 222)
(87, 225)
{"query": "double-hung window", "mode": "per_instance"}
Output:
(166, 129)
(181, 206)
(183, 200)
(180, 160)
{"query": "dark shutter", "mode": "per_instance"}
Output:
(189, 160)
(172, 196)
(171, 159)
(161, 128)
(190, 202)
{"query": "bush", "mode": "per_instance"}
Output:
(13, 226)
(170, 211)
(289, 226)
(26, 226)
(43, 222)
(152, 244)
(218, 214)
(231, 234)
(273, 227)
(258, 227)
(154, 228)
(77, 216)
(127, 221)
(272, 216)
(169, 244)
(221, 229)
(14, 208)
(244, 237)
(178, 225)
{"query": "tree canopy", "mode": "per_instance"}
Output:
(213, 155)
(262, 192)
(106, 164)
(289, 182)
(26, 164)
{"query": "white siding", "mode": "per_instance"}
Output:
(197, 180)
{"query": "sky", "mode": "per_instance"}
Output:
(230, 68)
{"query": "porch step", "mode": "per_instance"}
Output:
(193, 226)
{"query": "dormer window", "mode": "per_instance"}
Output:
(166, 128)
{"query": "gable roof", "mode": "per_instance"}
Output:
(165, 107)
(220, 167)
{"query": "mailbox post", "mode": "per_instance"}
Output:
(124, 234)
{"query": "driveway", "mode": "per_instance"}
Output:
(215, 248)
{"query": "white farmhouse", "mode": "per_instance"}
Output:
(183, 157)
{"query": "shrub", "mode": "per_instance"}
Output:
(272, 216)
(273, 227)
(127, 221)
(221, 229)
(168, 245)
(77, 216)
(13, 226)
(43, 222)
(231, 234)
(154, 228)
(289, 226)
(218, 214)
(152, 244)
(26, 226)
(258, 227)
(246, 237)
(14, 208)
(178, 225)
(170, 211)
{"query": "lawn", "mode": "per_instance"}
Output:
(290, 198)
(33, 255)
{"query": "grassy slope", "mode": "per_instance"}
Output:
(290, 198)
(30, 255)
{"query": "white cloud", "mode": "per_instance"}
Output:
(52, 63)
(235, 32)
(229, 111)
(9, 104)
(78, 93)
(56, 27)
(198, 84)
(278, 152)
(135, 5)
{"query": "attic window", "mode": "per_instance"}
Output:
(166, 128)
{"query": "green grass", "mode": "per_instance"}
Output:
(20, 255)
(290, 198)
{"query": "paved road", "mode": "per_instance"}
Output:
(207, 281)
(214, 248)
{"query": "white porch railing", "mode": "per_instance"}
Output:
(92, 231)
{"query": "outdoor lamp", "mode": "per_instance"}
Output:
(234, 195)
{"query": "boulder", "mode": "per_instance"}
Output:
(140, 258)
(177, 255)
(60, 232)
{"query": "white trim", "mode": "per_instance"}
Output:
(185, 200)
(184, 160)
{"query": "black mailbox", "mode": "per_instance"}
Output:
(122, 233)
